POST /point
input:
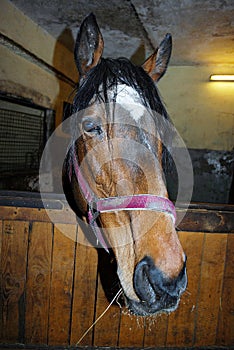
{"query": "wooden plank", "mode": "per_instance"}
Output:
(201, 220)
(61, 288)
(181, 322)
(14, 213)
(65, 215)
(1, 233)
(131, 332)
(225, 332)
(38, 283)
(1, 280)
(156, 330)
(30, 200)
(210, 289)
(106, 331)
(83, 309)
(14, 264)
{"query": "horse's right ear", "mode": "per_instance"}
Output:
(89, 45)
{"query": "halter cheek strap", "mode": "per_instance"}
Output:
(113, 204)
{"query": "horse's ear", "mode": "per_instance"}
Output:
(89, 45)
(156, 64)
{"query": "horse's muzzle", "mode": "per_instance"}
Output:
(156, 292)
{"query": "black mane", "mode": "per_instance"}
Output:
(110, 72)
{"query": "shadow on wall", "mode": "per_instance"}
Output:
(139, 56)
(67, 86)
(66, 83)
(66, 39)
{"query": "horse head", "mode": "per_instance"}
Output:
(113, 173)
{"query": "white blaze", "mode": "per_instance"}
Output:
(130, 100)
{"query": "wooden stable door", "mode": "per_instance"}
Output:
(51, 291)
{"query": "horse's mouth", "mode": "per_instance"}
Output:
(142, 308)
(155, 291)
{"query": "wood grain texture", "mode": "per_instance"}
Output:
(1, 282)
(106, 331)
(14, 265)
(210, 292)
(61, 288)
(51, 291)
(131, 333)
(181, 322)
(38, 283)
(208, 220)
(84, 294)
(33, 214)
(225, 332)
(156, 330)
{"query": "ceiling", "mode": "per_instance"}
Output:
(202, 30)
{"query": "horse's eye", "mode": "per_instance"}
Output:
(91, 127)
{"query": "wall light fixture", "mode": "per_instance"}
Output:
(222, 77)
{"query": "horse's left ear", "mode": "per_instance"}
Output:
(156, 64)
(89, 45)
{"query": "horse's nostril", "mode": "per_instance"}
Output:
(152, 286)
(142, 284)
(145, 288)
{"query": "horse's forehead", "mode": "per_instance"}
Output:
(126, 94)
(125, 106)
(130, 100)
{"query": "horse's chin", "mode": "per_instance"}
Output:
(141, 308)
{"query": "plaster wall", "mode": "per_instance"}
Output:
(33, 64)
(202, 111)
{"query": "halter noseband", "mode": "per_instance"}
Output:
(111, 204)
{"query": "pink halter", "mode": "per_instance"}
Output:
(111, 204)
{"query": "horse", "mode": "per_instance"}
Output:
(113, 173)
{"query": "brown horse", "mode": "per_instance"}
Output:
(113, 172)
